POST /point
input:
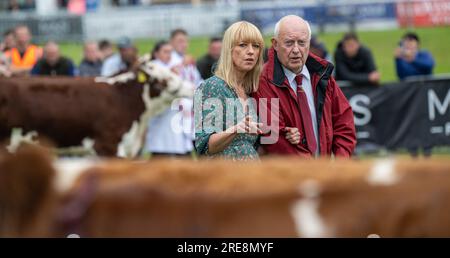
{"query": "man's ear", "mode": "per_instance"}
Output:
(274, 43)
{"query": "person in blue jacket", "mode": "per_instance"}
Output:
(410, 60)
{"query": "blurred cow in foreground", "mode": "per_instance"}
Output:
(181, 198)
(113, 112)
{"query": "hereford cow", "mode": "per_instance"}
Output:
(181, 198)
(109, 111)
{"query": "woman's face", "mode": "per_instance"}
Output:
(10, 41)
(164, 53)
(245, 55)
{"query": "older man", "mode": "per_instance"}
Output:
(313, 117)
(52, 63)
(91, 65)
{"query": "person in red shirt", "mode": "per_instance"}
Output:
(313, 117)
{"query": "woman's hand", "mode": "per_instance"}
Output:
(292, 135)
(246, 126)
(219, 141)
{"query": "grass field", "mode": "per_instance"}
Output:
(382, 44)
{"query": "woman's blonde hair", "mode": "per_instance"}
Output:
(238, 32)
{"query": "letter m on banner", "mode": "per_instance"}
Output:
(434, 104)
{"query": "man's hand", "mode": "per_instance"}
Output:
(398, 52)
(406, 54)
(188, 60)
(374, 77)
(177, 69)
(292, 135)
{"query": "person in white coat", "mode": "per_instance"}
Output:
(169, 134)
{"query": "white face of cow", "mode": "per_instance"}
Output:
(161, 88)
(305, 212)
(162, 82)
(175, 86)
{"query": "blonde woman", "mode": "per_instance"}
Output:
(225, 117)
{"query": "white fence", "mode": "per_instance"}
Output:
(158, 22)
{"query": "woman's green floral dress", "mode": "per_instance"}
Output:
(216, 108)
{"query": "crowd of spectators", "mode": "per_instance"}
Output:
(354, 62)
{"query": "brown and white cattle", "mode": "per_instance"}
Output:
(113, 112)
(181, 198)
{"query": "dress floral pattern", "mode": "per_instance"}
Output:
(213, 113)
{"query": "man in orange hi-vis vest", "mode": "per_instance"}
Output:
(25, 55)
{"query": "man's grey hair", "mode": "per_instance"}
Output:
(277, 26)
(90, 42)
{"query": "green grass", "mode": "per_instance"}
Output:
(382, 44)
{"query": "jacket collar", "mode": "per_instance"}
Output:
(291, 76)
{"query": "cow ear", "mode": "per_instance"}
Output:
(142, 77)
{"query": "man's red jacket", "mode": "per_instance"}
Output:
(334, 114)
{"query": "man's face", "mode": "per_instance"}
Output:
(292, 45)
(23, 35)
(129, 54)
(351, 47)
(411, 45)
(214, 49)
(106, 52)
(51, 54)
(91, 52)
(180, 43)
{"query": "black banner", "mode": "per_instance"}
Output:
(402, 115)
(225, 247)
